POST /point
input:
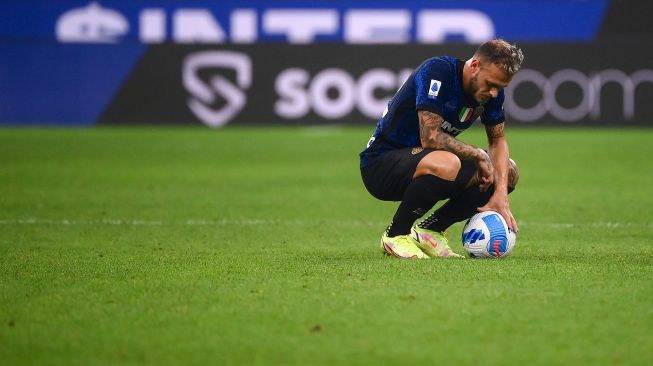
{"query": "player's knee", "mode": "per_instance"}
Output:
(442, 164)
(513, 174)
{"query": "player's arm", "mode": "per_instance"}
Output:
(432, 136)
(499, 154)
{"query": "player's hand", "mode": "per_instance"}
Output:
(499, 203)
(485, 171)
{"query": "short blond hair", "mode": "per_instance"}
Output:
(501, 53)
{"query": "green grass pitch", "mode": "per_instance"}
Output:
(258, 246)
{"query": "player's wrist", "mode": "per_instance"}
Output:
(501, 189)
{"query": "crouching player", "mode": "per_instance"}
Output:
(414, 155)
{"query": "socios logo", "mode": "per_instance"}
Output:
(216, 100)
(301, 93)
(591, 90)
(92, 23)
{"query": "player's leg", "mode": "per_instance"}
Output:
(436, 177)
(434, 244)
(416, 177)
(464, 205)
(433, 180)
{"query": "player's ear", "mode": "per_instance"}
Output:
(475, 64)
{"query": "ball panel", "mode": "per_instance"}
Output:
(486, 235)
(496, 246)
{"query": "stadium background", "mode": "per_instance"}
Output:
(293, 63)
(151, 239)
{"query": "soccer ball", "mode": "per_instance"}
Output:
(486, 235)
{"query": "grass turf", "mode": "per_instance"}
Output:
(259, 246)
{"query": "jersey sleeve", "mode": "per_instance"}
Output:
(493, 113)
(432, 83)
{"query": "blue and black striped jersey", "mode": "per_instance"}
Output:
(435, 86)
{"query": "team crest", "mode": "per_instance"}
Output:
(417, 150)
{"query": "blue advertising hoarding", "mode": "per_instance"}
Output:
(155, 21)
(88, 62)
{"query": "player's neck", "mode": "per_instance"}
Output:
(466, 82)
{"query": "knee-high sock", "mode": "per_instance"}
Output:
(460, 207)
(420, 196)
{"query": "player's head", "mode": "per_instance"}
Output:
(491, 69)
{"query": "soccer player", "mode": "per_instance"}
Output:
(414, 155)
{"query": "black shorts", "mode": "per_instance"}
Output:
(387, 177)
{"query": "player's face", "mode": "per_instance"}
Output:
(486, 81)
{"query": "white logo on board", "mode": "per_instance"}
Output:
(97, 24)
(206, 94)
(91, 24)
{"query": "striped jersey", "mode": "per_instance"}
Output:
(435, 86)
